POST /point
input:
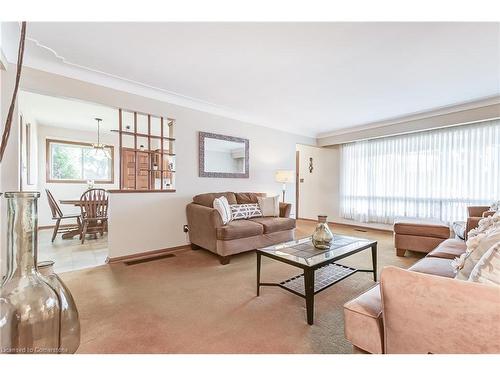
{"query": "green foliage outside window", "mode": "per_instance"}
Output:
(79, 162)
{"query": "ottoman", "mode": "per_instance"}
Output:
(421, 235)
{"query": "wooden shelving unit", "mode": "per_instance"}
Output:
(137, 164)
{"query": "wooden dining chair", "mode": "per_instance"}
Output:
(58, 215)
(94, 208)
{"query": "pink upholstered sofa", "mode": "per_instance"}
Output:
(426, 310)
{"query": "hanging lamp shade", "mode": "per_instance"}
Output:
(100, 150)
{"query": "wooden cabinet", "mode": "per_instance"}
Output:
(134, 169)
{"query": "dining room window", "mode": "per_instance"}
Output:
(79, 162)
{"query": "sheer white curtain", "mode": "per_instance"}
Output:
(431, 174)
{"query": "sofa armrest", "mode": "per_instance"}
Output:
(477, 211)
(203, 223)
(432, 314)
(285, 209)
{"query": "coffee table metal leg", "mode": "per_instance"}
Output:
(309, 291)
(374, 261)
(258, 273)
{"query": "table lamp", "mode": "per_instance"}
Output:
(285, 177)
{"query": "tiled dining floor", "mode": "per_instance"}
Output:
(70, 254)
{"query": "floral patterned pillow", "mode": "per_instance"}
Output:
(485, 224)
(477, 246)
(487, 270)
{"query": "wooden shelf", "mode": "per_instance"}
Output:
(142, 135)
(150, 152)
(141, 191)
(157, 170)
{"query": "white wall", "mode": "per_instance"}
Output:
(67, 190)
(319, 191)
(141, 222)
(149, 221)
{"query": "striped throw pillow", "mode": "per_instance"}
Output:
(222, 206)
(245, 211)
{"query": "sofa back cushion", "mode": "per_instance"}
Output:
(207, 199)
(246, 198)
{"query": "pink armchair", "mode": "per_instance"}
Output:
(425, 313)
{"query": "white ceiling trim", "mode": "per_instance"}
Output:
(491, 100)
(63, 66)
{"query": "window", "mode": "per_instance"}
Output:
(431, 174)
(79, 162)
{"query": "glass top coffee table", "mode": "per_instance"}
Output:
(320, 269)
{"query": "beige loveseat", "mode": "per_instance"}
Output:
(426, 310)
(207, 231)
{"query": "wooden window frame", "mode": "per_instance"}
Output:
(48, 163)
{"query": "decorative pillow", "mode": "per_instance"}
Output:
(485, 224)
(476, 248)
(222, 206)
(245, 211)
(487, 270)
(495, 206)
(270, 206)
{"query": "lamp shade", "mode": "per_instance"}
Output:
(285, 177)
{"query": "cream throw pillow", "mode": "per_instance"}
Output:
(487, 270)
(222, 206)
(270, 206)
(485, 224)
(476, 248)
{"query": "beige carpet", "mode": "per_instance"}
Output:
(191, 304)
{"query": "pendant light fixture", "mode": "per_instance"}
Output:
(99, 148)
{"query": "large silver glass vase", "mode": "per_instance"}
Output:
(70, 323)
(30, 309)
(322, 237)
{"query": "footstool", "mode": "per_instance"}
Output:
(422, 235)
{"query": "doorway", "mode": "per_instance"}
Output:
(61, 159)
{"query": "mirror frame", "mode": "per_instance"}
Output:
(201, 159)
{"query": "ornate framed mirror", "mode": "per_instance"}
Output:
(223, 156)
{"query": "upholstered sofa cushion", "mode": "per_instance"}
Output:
(421, 227)
(245, 198)
(363, 323)
(434, 266)
(449, 249)
(275, 224)
(207, 199)
(239, 229)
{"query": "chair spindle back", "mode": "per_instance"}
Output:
(54, 207)
(94, 204)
